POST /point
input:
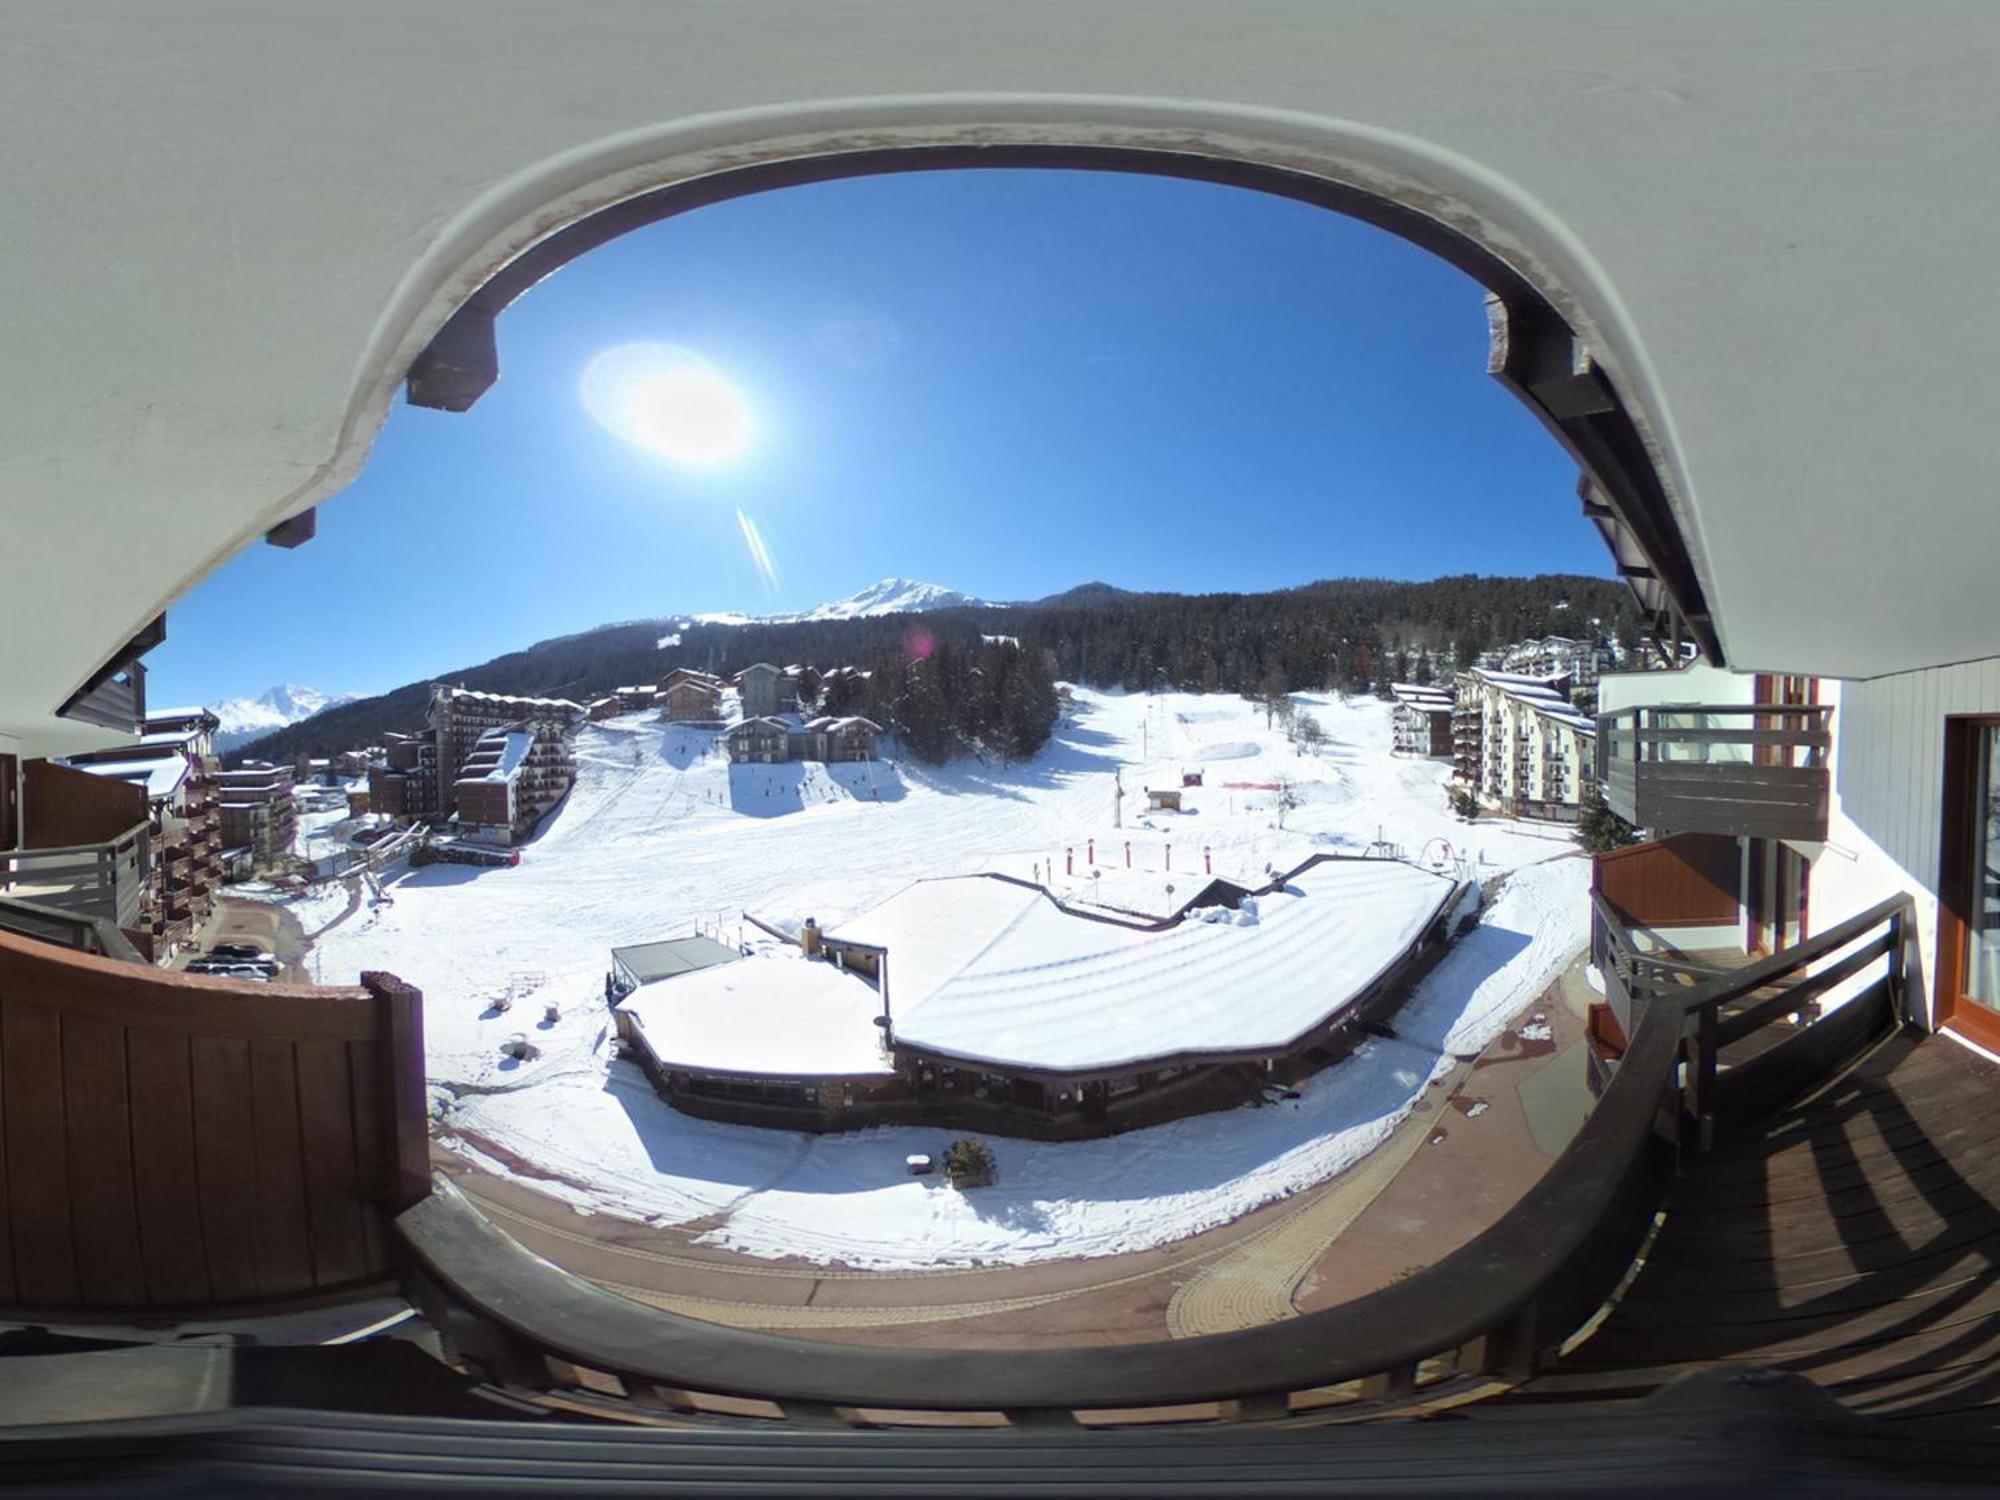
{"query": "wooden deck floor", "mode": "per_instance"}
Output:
(1854, 1239)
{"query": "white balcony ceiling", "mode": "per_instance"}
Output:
(229, 228)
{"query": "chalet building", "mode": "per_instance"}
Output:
(691, 674)
(829, 738)
(1422, 721)
(350, 765)
(766, 691)
(826, 738)
(636, 696)
(760, 741)
(599, 709)
(690, 701)
(257, 813)
(1520, 748)
(461, 719)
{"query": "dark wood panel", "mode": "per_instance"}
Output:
(283, 1232)
(1686, 880)
(334, 1200)
(61, 806)
(37, 1163)
(97, 1126)
(165, 1171)
(225, 1164)
(375, 1167)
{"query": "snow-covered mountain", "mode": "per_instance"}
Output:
(244, 719)
(892, 596)
(885, 596)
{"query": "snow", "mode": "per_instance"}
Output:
(161, 775)
(519, 743)
(246, 719)
(990, 971)
(661, 835)
(772, 1014)
(614, 1147)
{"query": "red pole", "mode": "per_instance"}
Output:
(1090, 852)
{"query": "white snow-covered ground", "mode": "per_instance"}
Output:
(662, 834)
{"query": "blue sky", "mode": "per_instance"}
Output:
(1007, 382)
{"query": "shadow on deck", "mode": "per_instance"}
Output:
(1851, 1239)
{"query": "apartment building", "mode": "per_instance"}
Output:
(1421, 723)
(461, 718)
(1520, 747)
(257, 813)
(1581, 661)
(403, 781)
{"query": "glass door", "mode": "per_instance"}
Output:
(1969, 904)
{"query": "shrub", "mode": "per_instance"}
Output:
(1600, 830)
(1464, 803)
(967, 1158)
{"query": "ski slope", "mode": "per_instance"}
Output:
(661, 834)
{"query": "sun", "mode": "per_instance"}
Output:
(668, 400)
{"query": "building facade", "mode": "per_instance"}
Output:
(1421, 723)
(461, 719)
(690, 701)
(258, 814)
(1520, 748)
(766, 691)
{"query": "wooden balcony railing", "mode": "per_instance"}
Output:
(104, 880)
(1489, 1313)
(1757, 770)
(179, 1143)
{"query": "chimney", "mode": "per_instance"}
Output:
(809, 938)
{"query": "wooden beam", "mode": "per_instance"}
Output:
(295, 531)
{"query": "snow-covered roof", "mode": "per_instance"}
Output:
(996, 973)
(1421, 697)
(175, 738)
(519, 742)
(775, 1014)
(175, 713)
(161, 775)
(510, 699)
(766, 724)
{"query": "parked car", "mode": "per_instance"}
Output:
(238, 950)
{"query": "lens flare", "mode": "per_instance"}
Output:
(668, 400)
(918, 644)
(760, 555)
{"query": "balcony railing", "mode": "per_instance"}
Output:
(1751, 769)
(90, 880)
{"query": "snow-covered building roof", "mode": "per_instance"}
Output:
(994, 971)
(1421, 697)
(775, 1014)
(160, 775)
(512, 751)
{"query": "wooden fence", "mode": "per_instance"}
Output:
(172, 1141)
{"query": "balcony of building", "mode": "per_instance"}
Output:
(104, 880)
(1692, 752)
